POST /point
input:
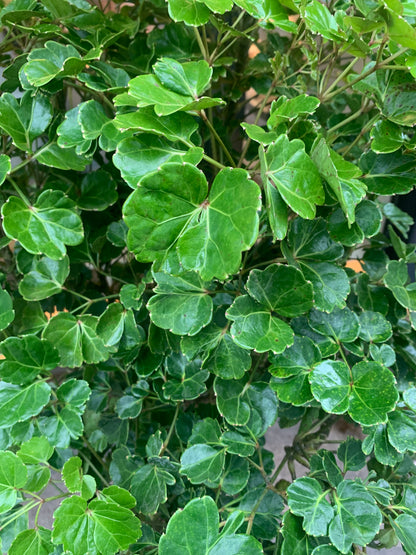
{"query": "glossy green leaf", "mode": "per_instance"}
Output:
(92, 118)
(401, 430)
(44, 64)
(294, 389)
(387, 174)
(32, 542)
(310, 241)
(35, 450)
(292, 172)
(18, 403)
(232, 402)
(203, 463)
(296, 541)
(342, 325)
(395, 279)
(191, 12)
(404, 527)
(70, 133)
(373, 393)
(46, 227)
(258, 134)
(161, 207)
(351, 455)
(187, 379)
(26, 119)
(227, 360)
(98, 191)
(182, 534)
(374, 327)
(74, 392)
(136, 157)
(173, 127)
(45, 279)
(302, 355)
(76, 340)
(340, 176)
(330, 284)
(357, 518)
(226, 225)
(306, 498)
(254, 327)
(174, 87)
(5, 167)
(281, 289)
(7, 313)
(285, 109)
(181, 303)
(13, 475)
(148, 486)
(238, 444)
(109, 527)
(268, 506)
(330, 383)
(321, 21)
(386, 137)
(54, 156)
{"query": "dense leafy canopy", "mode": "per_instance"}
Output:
(201, 238)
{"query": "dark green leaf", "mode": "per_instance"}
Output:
(45, 279)
(149, 487)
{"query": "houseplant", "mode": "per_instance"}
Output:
(184, 186)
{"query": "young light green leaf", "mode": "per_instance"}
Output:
(292, 172)
(32, 542)
(357, 519)
(192, 12)
(182, 534)
(19, 403)
(76, 340)
(44, 64)
(306, 499)
(25, 119)
(284, 109)
(110, 527)
(35, 450)
(13, 475)
(46, 227)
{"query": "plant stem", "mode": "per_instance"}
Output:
(217, 137)
(170, 432)
(19, 191)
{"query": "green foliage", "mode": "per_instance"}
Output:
(183, 185)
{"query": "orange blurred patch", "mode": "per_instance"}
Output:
(50, 315)
(355, 265)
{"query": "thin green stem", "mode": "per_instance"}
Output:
(217, 137)
(279, 468)
(200, 43)
(214, 162)
(341, 76)
(19, 191)
(170, 432)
